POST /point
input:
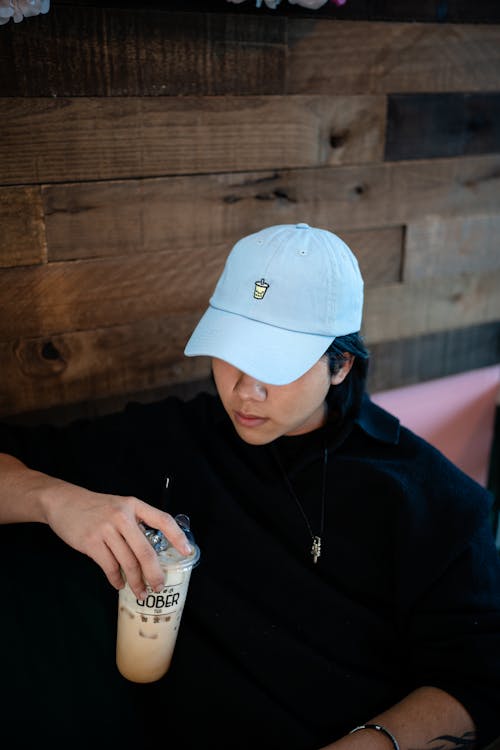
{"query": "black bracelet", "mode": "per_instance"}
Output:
(378, 728)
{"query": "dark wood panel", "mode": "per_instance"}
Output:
(428, 126)
(96, 293)
(391, 57)
(398, 311)
(139, 216)
(457, 11)
(379, 253)
(173, 214)
(22, 227)
(82, 295)
(61, 413)
(115, 137)
(402, 362)
(79, 295)
(41, 372)
(437, 246)
(74, 51)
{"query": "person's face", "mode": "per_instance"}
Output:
(261, 412)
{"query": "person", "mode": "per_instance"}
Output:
(348, 590)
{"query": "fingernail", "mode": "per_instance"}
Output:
(186, 548)
(159, 588)
(142, 595)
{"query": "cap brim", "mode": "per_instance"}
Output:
(272, 355)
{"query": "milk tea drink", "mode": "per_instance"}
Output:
(147, 629)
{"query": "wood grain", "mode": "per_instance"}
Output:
(115, 52)
(399, 311)
(95, 220)
(429, 126)
(379, 253)
(138, 144)
(71, 296)
(87, 373)
(437, 246)
(80, 295)
(22, 228)
(42, 372)
(116, 137)
(136, 216)
(334, 57)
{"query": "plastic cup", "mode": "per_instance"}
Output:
(147, 629)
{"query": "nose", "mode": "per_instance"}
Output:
(250, 389)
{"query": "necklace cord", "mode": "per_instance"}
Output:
(315, 539)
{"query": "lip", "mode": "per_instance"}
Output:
(249, 420)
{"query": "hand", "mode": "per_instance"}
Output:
(105, 527)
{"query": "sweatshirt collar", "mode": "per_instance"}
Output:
(377, 422)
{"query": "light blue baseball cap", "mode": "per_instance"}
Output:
(284, 295)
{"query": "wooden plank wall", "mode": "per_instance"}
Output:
(136, 145)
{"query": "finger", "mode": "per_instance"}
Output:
(147, 558)
(158, 519)
(128, 561)
(109, 564)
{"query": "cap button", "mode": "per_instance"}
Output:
(301, 226)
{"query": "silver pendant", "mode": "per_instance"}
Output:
(316, 548)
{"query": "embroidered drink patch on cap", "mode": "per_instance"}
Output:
(261, 288)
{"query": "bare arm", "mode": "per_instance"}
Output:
(104, 527)
(427, 719)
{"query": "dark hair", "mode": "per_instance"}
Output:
(344, 400)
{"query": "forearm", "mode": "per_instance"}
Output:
(427, 719)
(22, 492)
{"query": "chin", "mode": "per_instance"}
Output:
(252, 437)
